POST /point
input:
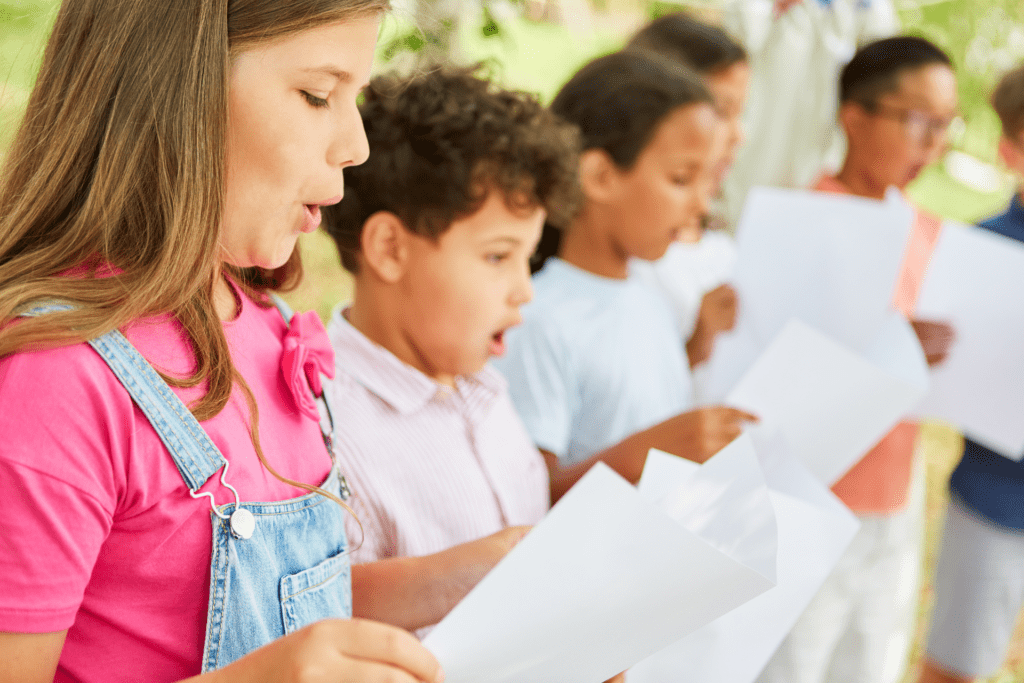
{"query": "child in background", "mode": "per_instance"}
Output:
(438, 228)
(598, 370)
(694, 270)
(796, 49)
(979, 582)
(898, 98)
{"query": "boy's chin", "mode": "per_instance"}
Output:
(911, 176)
(471, 368)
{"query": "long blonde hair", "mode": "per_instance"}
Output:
(112, 192)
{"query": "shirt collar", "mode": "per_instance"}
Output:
(398, 384)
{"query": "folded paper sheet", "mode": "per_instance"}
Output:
(829, 404)
(609, 577)
(974, 281)
(814, 529)
(828, 260)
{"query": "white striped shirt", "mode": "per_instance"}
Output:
(429, 466)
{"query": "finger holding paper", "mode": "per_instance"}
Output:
(936, 339)
(717, 314)
(695, 435)
(699, 434)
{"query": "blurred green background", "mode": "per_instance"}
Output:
(984, 38)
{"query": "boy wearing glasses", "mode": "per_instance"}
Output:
(979, 582)
(897, 99)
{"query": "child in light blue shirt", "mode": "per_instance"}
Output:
(598, 370)
(587, 338)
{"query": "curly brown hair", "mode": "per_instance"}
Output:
(440, 141)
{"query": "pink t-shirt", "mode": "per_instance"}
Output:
(98, 533)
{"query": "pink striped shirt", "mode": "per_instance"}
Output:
(429, 466)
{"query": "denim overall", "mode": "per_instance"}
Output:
(276, 567)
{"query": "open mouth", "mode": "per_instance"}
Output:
(313, 217)
(498, 343)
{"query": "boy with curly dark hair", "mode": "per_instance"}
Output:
(437, 228)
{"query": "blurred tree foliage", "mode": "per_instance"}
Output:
(24, 25)
(433, 35)
(985, 38)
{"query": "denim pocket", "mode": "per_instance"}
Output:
(320, 592)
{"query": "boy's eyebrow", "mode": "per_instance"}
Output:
(503, 238)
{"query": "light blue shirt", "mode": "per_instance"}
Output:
(595, 360)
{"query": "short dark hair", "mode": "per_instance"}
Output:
(440, 141)
(618, 100)
(876, 68)
(705, 48)
(1008, 101)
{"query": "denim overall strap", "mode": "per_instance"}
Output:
(293, 571)
(283, 307)
(193, 452)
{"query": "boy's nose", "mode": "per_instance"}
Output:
(702, 196)
(522, 291)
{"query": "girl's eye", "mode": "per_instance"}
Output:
(682, 180)
(496, 258)
(313, 100)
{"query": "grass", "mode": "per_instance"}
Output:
(539, 57)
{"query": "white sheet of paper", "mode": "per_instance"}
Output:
(829, 260)
(606, 579)
(975, 281)
(814, 529)
(724, 501)
(829, 404)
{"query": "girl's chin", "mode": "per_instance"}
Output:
(268, 260)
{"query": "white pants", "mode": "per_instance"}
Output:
(859, 626)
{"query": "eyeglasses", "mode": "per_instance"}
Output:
(918, 126)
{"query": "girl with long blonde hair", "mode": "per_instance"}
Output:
(156, 525)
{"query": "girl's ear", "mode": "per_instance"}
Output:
(384, 246)
(599, 176)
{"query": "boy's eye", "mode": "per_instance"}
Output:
(313, 100)
(497, 257)
(682, 179)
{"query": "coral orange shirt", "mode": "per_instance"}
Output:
(879, 483)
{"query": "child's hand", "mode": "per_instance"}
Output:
(936, 339)
(621, 678)
(699, 434)
(496, 546)
(336, 650)
(413, 592)
(717, 314)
